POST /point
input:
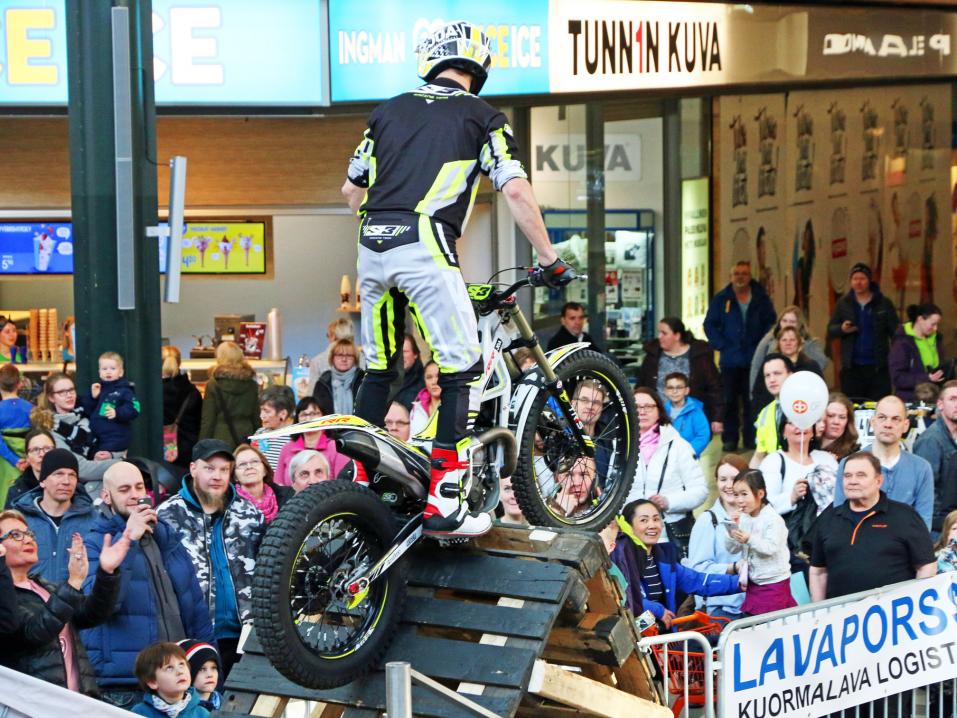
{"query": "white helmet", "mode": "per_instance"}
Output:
(459, 44)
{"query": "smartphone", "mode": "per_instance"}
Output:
(730, 525)
(146, 501)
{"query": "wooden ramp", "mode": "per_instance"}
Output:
(524, 622)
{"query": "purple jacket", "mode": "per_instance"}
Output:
(905, 365)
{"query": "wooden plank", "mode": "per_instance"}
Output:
(531, 621)
(239, 701)
(604, 593)
(601, 639)
(571, 689)
(269, 706)
(352, 712)
(633, 677)
(492, 575)
(580, 550)
(535, 707)
(576, 601)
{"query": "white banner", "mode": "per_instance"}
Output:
(856, 653)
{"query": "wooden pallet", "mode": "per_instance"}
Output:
(486, 620)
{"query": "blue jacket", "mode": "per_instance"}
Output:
(728, 331)
(14, 414)
(114, 434)
(193, 710)
(910, 481)
(112, 646)
(674, 577)
(708, 553)
(53, 543)
(692, 423)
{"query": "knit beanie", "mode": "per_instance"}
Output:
(57, 459)
(197, 653)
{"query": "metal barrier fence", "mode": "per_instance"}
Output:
(891, 614)
(687, 675)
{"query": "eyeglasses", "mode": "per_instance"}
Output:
(309, 415)
(252, 463)
(674, 388)
(590, 402)
(391, 423)
(19, 535)
(39, 450)
(64, 392)
(646, 407)
(343, 356)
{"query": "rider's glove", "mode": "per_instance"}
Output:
(557, 274)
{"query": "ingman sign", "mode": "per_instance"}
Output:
(856, 653)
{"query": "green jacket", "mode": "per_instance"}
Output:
(232, 392)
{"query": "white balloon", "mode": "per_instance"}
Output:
(803, 399)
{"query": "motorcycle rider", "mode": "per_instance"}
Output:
(412, 181)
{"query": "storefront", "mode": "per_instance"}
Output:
(663, 139)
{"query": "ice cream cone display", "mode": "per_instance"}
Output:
(33, 333)
(358, 306)
(225, 246)
(344, 291)
(202, 244)
(43, 340)
(53, 334)
(246, 243)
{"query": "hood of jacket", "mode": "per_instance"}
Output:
(80, 505)
(243, 372)
(691, 404)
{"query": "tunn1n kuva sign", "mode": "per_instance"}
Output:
(860, 652)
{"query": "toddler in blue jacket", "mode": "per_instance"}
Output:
(112, 406)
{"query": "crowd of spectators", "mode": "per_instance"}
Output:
(111, 586)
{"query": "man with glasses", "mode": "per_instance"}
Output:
(908, 479)
(55, 511)
(161, 601)
(221, 532)
(687, 413)
(397, 421)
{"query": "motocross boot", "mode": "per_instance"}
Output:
(447, 514)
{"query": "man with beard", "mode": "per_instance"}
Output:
(160, 600)
(221, 532)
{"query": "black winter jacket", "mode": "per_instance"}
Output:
(322, 392)
(705, 381)
(34, 647)
(177, 390)
(8, 604)
(885, 324)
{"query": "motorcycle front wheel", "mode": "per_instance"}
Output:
(556, 483)
(311, 628)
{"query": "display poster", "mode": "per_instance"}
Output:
(205, 52)
(223, 248)
(372, 44)
(695, 252)
(865, 178)
(32, 248)
(207, 248)
(863, 651)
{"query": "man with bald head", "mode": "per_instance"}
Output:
(160, 598)
(908, 479)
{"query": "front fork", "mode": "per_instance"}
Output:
(553, 385)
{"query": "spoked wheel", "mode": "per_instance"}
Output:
(556, 483)
(313, 629)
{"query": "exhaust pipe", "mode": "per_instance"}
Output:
(379, 457)
(506, 438)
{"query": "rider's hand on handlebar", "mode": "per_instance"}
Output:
(557, 274)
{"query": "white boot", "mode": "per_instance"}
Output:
(447, 514)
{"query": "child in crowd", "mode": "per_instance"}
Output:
(112, 406)
(14, 425)
(686, 412)
(163, 673)
(609, 537)
(762, 536)
(205, 667)
(946, 546)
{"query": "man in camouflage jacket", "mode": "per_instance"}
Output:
(221, 532)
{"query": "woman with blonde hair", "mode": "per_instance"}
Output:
(337, 386)
(231, 402)
(790, 316)
(182, 406)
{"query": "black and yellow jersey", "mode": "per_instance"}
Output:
(424, 149)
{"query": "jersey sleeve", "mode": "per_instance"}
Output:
(361, 161)
(498, 156)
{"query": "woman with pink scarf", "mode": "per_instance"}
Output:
(254, 481)
(668, 474)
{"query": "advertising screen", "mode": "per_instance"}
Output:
(36, 248)
(208, 248)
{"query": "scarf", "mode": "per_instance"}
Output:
(171, 709)
(74, 427)
(648, 443)
(169, 623)
(268, 504)
(342, 390)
